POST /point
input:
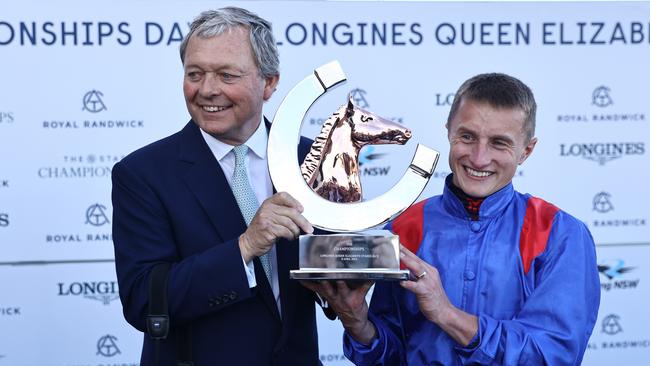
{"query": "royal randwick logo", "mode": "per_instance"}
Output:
(601, 98)
(107, 346)
(93, 102)
(603, 205)
(611, 324)
(96, 218)
(94, 115)
(602, 202)
(602, 108)
(96, 215)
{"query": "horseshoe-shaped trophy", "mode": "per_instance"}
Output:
(331, 199)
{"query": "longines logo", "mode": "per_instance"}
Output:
(93, 102)
(4, 219)
(102, 291)
(80, 167)
(612, 270)
(107, 346)
(444, 99)
(96, 215)
(602, 152)
(603, 203)
(601, 98)
(6, 117)
(9, 311)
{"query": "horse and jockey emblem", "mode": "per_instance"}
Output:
(331, 169)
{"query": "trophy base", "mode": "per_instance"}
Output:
(350, 274)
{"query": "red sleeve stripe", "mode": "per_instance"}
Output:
(535, 230)
(409, 225)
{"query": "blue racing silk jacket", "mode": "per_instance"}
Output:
(526, 269)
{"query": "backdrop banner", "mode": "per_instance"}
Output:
(85, 83)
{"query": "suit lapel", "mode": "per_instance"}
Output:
(205, 178)
(206, 181)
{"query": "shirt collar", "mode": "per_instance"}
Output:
(491, 206)
(256, 143)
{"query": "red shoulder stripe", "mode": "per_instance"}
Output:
(535, 230)
(409, 225)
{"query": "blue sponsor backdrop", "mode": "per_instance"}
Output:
(85, 84)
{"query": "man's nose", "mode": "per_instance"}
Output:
(480, 154)
(210, 85)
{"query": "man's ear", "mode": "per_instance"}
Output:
(270, 83)
(528, 150)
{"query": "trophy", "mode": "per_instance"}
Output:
(328, 186)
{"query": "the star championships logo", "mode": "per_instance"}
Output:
(80, 167)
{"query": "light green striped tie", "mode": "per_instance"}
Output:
(246, 199)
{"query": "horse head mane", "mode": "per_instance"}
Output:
(321, 143)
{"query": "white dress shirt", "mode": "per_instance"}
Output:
(258, 176)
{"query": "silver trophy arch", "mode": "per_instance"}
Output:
(284, 167)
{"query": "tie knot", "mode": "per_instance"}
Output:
(240, 154)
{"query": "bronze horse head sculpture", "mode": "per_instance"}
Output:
(331, 169)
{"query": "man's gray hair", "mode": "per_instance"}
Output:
(215, 22)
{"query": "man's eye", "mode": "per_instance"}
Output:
(466, 137)
(194, 75)
(228, 78)
(500, 144)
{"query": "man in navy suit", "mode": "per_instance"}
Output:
(173, 203)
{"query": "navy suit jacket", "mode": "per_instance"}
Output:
(172, 203)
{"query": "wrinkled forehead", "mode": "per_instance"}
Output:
(478, 112)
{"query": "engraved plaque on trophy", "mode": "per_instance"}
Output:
(328, 185)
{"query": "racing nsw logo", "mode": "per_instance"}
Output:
(93, 102)
(612, 272)
(602, 202)
(600, 97)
